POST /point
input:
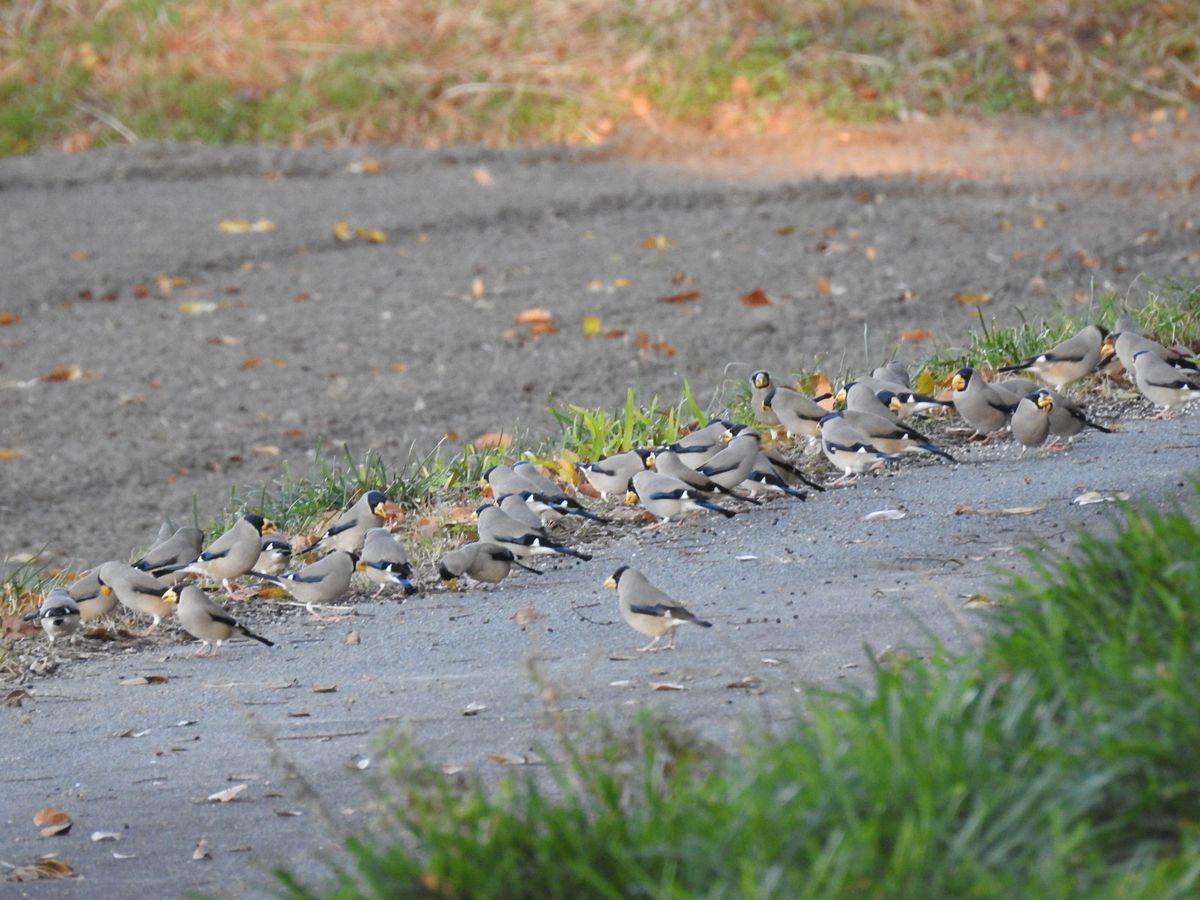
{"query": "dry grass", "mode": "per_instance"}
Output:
(501, 71)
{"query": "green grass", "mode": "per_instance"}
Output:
(1057, 762)
(592, 434)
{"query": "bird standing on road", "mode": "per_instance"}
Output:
(208, 622)
(649, 610)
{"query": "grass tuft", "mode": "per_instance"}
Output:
(1055, 762)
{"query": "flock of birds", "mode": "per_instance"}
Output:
(701, 472)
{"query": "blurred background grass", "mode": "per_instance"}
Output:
(81, 73)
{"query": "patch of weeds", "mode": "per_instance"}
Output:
(592, 434)
(1055, 762)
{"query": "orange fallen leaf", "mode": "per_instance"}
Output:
(250, 362)
(683, 297)
(663, 347)
(614, 333)
(680, 278)
(757, 297)
(641, 341)
(532, 315)
(141, 291)
(342, 231)
(295, 432)
(543, 328)
(491, 439)
(49, 815)
(10, 454)
(823, 285)
(482, 177)
(656, 242)
(914, 334)
(974, 299)
(477, 287)
(1086, 259)
(277, 361)
(9, 318)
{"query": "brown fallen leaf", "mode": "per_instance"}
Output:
(288, 813)
(656, 242)
(1008, 511)
(230, 793)
(526, 614)
(785, 230)
(10, 454)
(477, 287)
(15, 697)
(539, 328)
(914, 334)
(353, 638)
(493, 439)
(508, 759)
(50, 816)
(666, 686)
(144, 679)
(201, 851)
(757, 297)
(325, 689)
(42, 867)
(973, 299)
(482, 176)
(1040, 85)
(533, 315)
(8, 318)
(267, 450)
(750, 682)
(250, 362)
(682, 297)
(823, 285)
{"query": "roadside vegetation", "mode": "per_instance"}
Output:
(1056, 761)
(83, 73)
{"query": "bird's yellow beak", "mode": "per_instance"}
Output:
(895, 405)
(840, 396)
(269, 527)
(1045, 402)
(631, 497)
(452, 583)
(651, 462)
(360, 566)
(169, 596)
(610, 582)
(957, 383)
(105, 590)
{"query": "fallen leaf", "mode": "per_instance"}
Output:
(197, 307)
(42, 867)
(98, 836)
(353, 638)
(914, 334)
(493, 439)
(117, 855)
(14, 697)
(371, 235)
(745, 557)
(534, 315)
(525, 615)
(325, 689)
(144, 679)
(973, 299)
(10, 454)
(250, 362)
(926, 382)
(9, 318)
(757, 297)
(294, 432)
(477, 287)
(614, 332)
(785, 230)
(885, 515)
(201, 851)
(508, 759)
(453, 768)
(591, 326)
(977, 600)
(342, 231)
(368, 166)
(288, 813)
(656, 242)
(230, 793)
(823, 285)
(543, 328)
(683, 297)
(130, 733)
(245, 226)
(621, 282)
(51, 816)
(267, 450)
(277, 361)
(750, 682)
(666, 686)
(1009, 511)
(664, 347)
(1087, 260)
(474, 709)
(141, 291)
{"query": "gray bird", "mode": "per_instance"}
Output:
(274, 555)
(765, 478)
(668, 498)
(233, 554)
(1067, 419)
(385, 561)
(498, 527)
(59, 614)
(760, 386)
(1067, 361)
(164, 557)
(891, 436)
(847, 449)
(979, 404)
(649, 610)
(318, 583)
(611, 475)
(544, 497)
(483, 561)
(93, 603)
(798, 413)
(861, 396)
(668, 462)
(895, 372)
(1031, 420)
(696, 447)
(1126, 345)
(1162, 384)
(731, 466)
(137, 591)
(515, 506)
(209, 622)
(351, 526)
(904, 403)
